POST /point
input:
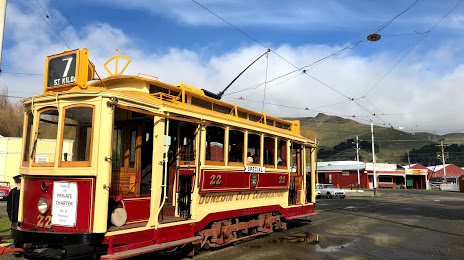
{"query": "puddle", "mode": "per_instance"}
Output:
(356, 207)
(322, 243)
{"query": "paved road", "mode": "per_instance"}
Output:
(396, 225)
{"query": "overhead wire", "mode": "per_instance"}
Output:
(413, 47)
(305, 71)
(51, 24)
(77, 32)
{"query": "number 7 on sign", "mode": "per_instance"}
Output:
(66, 70)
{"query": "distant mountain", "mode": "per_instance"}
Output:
(331, 131)
(453, 138)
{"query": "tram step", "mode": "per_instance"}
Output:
(149, 249)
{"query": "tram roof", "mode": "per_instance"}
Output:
(139, 87)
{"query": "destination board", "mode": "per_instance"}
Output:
(62, 70)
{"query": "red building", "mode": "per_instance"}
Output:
(451, 170)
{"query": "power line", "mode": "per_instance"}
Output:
(394, 18)
(23, 73)
(260, 43)
(75, 29)
(406, 54)
(52, 26)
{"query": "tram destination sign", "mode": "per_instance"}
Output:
(62, 70)
(68, 69)
(64, 205)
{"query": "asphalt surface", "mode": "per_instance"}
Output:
(397, 224)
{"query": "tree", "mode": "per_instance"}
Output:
(11, 116)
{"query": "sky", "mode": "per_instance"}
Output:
(320, 60)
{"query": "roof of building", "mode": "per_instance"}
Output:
(437, 167)
(340, 166)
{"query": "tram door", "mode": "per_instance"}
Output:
(126, 153)
(132, 154)
(296, 174)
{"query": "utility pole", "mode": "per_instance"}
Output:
(373, 158)
(409, 161)
(443, 159)
(2, 27)
(357, 158)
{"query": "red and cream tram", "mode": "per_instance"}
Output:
(135, 165)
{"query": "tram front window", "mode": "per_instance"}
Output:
(77, 134)
(43, 149)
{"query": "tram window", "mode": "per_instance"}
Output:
(254, 118)
(156, 89)
(77, 134)
(27, 141)
(215, 143)
(242, 114)
(270, 122)
(174, 93)
(269, 151)
(201, 103)
(236, 146)
(279, 125)
(221, 109)
(282, 154)
(118, 147)
(133, 139)
(254, 149)
(45, 142)
(309, 155)
(187, 143)
(295, 158)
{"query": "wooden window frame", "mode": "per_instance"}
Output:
(243, 153)
(31, 136)
(211, 162)
(272, 166)
(195, 139)
(62, 163)
(36, 128)
(260, 148)
(288, 149)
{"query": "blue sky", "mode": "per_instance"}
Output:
(179, 41)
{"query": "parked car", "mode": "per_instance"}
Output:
(4, 190)
(318, 194)
(330, 191)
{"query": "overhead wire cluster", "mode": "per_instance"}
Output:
(317, 62)
(312, 65)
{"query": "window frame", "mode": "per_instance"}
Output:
(31, 134)
(211, 162)
(88, 163)
(275, 151)
(195, 142)
(260, 148)
(36, 128)
(229, 163)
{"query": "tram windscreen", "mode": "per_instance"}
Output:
(77, 134)
(45, 141)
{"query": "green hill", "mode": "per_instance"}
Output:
(330, 131)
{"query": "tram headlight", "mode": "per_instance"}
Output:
(42, 205)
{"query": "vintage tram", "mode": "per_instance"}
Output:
(135, 165)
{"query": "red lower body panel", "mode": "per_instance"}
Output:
(166, 234)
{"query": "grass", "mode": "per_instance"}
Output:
(5, 224)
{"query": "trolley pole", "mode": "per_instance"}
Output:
(357, 158)
(373, 158)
